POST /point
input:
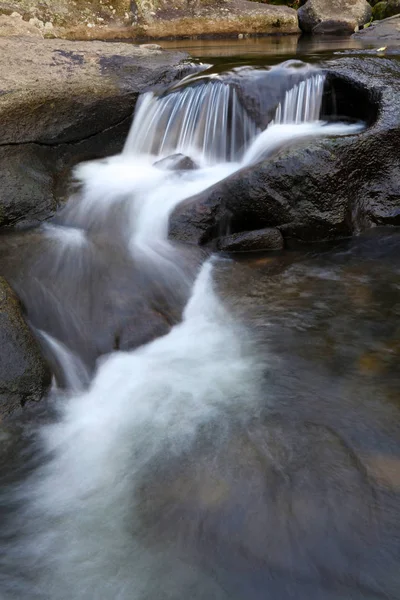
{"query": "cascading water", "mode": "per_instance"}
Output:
(302, 103)
(206, 118)
(85, 528)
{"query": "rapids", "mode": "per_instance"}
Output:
(89, 520)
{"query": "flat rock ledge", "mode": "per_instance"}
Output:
(62, 102)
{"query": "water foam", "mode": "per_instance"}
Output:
(87, 540)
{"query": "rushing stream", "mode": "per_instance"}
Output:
(161, 472)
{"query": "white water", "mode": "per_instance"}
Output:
(205, 118)
(84, 537)
(302, 103)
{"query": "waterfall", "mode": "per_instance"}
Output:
(302, 103)
(84, 526)
(206, 119)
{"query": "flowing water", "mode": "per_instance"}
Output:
(155, 477)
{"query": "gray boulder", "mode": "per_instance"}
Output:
(61, 103)
(385, 32)
(24, 376)
(333, 16)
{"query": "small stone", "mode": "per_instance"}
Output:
(36, 23)
(240, 36)
(48, 26)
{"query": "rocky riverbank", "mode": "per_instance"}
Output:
(166, 19)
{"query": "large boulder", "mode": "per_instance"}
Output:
(24, 376)
(63, 102)
(130, 19)
(183, 18)
(323, 188)
(333, 16)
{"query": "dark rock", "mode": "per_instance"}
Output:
(79, 108)
(333, 16)
(247, 241)
(385, 9)
(322, 188)
(24, 376)
(261, 90)
(176, 162)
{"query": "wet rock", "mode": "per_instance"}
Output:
(111, 302)
(176, 162)
(61, 103)
(24, 376)
(333, 16)
(247, 241)
(322, 188)
(386, 32)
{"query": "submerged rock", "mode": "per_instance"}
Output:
(322, 188)
(248, 241)
(24, 376)
(61, 103)
(333, 16)
(176, 162)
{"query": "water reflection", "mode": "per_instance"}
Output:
(273, 47)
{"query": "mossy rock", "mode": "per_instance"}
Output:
(383, 10)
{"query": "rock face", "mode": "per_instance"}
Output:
(322, 189)
(129, 19)
(384, 32)
(24, 375)
(333, 16)
(61, 103)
